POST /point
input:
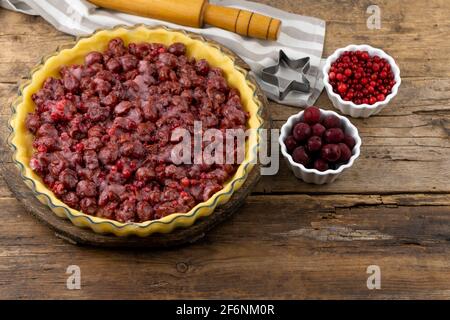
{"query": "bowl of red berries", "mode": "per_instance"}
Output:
(319, 145)
(361, 80)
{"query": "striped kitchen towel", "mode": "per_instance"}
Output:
(300, 36)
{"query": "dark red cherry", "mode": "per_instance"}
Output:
(300, 156)
(314, 144)
(346, 154)
(334, 135)
(290, 143)
(331, 152)
(311, 115)
(349, 141)
(301, 131)
(331, 121)
(321, 164)
(317, 130)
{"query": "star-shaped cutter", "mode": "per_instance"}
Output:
(283, 84)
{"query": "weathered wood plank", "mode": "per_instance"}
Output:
(370, 174)
(315, 247)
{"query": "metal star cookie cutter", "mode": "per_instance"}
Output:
(287, 80)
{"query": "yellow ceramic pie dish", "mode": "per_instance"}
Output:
(21, 139)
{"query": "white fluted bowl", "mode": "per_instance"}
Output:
(348, 107)
(313, 175)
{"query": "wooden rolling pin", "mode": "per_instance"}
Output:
(194, 13)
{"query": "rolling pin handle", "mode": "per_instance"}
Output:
(243, 22)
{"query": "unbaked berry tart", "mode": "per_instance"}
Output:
(92, 129)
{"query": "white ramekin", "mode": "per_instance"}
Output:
(348, 107)
(313, 175)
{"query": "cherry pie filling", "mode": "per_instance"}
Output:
(102, 131)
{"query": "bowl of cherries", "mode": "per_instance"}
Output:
(361, 80)
(319, 145)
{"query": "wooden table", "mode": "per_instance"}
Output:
(290, 240)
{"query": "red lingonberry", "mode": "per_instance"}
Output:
(342, 88)
(380, 97)
(348, 72)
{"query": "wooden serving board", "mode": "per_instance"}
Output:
(66, 230)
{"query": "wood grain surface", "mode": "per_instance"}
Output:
(290, 239)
